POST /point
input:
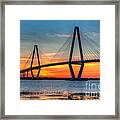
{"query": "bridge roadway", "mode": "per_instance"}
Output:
(60, 63)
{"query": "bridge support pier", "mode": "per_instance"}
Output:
(80, 71)
(27, 74)
(71, 71)
(35, 49)
(76, 31)
(24, 74)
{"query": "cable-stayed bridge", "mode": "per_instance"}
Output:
(79, 49)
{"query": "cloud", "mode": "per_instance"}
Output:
(59, 35)
(91, 34)
(64, 35)
(49, 54)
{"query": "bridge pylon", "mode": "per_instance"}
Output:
(35, 49)
(76, 33)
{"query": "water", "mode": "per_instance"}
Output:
(60, 85)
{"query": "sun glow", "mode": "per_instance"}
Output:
(91, 70)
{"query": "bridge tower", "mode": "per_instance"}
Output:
(35, 49)
(76, 33)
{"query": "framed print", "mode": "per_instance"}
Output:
(59, 60)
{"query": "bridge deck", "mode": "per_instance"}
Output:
(60, 63)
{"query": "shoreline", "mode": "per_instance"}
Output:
(27, 95)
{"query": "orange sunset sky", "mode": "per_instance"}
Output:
(91, 70)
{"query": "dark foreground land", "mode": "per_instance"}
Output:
(27, 95)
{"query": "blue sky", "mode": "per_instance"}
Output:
(51, 34)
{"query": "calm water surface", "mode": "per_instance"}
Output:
(60, 85)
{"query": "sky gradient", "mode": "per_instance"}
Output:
(50, 35)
